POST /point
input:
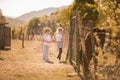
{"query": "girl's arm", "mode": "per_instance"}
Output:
(63, 40)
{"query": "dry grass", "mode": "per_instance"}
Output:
(27, 64)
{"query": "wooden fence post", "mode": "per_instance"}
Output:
(23, 40)
(93, 51)
(86, 71)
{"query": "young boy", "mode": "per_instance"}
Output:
(59, 40)
(46, 42)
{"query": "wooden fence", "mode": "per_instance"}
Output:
(81, 48)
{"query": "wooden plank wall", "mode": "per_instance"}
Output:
(2, 37)
(5, 37)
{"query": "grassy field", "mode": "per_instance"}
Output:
(27, 64)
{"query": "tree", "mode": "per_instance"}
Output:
(88, 10)
(33, 27)
(2, 18)
(34, 23)
(109, 13)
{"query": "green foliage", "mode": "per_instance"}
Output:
(88, 10)
(33, 26)
(56, 19)
(2, 18)
(34, 23)
(109, 13)
(63, 17)
(109, 16)
(85, 1)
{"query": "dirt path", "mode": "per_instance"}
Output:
(27, 64)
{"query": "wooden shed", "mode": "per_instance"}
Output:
(5, 36)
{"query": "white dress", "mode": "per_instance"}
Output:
(59, 40)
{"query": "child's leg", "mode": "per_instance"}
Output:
(45, 52)
(60, 52)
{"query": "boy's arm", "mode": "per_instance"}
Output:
(54, 36)
(42, 39)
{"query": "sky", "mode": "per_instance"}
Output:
(15, 8)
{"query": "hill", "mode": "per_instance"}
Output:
(26, 17)
(13, 22)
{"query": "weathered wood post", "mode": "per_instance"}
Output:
(95, 60)
(23, 40)
(20, 33)
(78, 42)
(28, 34)
(13, 33)
(68, 50)
(84, 56)
(71, 40)
(86, 72)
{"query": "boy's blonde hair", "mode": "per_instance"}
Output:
(47, 30)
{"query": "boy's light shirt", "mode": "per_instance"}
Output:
(47, 39)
